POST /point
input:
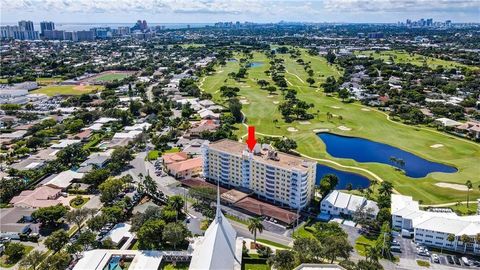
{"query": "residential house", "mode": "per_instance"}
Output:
(42, 196)
(337, 203)
(185, 169)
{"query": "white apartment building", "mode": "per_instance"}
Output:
(337, 203)
(276, 177)
(432, 228)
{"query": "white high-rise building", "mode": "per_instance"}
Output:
(277, 177)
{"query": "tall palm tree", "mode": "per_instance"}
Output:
(465, 240)
(469, 186)
(451, 238)
(477, 239)
(254, 225)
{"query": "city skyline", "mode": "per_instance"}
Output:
(166, 11)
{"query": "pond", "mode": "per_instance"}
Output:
(344, 178)
(255, 64)
(363, 150)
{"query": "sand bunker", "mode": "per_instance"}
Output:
(334, 107)
(270, 96)
(321, 130)
(276, 102)
(292, 129)
(438, 145)
(344, 128)
(365, 109)
(452, 186)
(304, 123)
(244, 101)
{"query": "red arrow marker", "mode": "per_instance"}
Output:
(251, 141)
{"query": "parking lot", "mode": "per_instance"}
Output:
(412, 252)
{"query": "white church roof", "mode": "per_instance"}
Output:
(216, 250)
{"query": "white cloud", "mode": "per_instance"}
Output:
(402, 6)
(252, 10)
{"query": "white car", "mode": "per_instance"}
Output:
(435, 258)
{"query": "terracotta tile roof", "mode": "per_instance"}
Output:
(174, 157)
(185, 165)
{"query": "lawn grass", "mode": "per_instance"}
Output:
(302, 232)
(271, 243)
(462, 210)
(3, 81)
(153, 155)
(78, 206)
(372, 124)
(178, 266)
(256, 266)
(404, 57)
(94, 140)
(172, 150)
(5, 264)
(423, 263)
(234, 218)
(69, 90)
(362, 243)
(111, 77)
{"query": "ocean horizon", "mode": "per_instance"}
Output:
(86, 26)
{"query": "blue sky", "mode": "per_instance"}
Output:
(204, 11)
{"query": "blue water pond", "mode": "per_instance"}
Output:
(344, 178)
(363, 150)
(255, 64)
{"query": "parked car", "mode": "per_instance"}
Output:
(435, 258)
(450, 259)
(4, 240)
(397, 249)
(456, 260)
(465, 261)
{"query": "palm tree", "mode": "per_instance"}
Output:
(465, 240)
(254, 225)
(372, 253)
(469, 186)
(477, 239)
(451, 238)
(177, 203)
(385, 189)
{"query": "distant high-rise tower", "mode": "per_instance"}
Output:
(26, 26)
(49, 26)
(144, 25)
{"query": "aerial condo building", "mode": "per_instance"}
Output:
(274, 176)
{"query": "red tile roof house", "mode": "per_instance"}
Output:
(84, 135)
(174, 157)
(471, 127)
(40, 197)
(185, 169)
(204, 125)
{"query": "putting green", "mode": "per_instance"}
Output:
(261, 110)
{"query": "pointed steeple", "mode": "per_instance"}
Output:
(218, 214)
